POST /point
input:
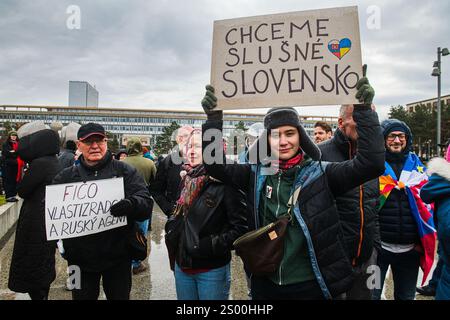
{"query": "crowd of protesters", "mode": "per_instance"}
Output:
(365, 200)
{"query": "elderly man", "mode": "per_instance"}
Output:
(106, 254)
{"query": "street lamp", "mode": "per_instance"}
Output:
(437, 73)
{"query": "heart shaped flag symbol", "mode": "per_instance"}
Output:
(340, 48)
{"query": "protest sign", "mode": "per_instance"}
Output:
(82, 208)
(290, 59)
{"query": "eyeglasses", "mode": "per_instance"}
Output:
(90, 142)
(400, 136)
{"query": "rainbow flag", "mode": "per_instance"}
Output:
(412, 179)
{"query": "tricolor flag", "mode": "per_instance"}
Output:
(412, 179)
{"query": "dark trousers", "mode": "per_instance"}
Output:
(405, 269)
(265, 289)
(39, 294)
(9, 175)
(360, 289)
(116, 283)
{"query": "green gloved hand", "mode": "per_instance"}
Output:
(209, 102)
(365, 92)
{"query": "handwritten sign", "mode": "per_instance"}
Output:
(291, 59)
(79, 209)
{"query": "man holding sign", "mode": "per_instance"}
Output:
(103, 251)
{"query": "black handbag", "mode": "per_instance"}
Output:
(174, 228)
(137, 243)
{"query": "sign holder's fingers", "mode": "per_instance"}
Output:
(211, 95)
(364, 70)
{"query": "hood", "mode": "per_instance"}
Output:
(30, 128)
(38, 144)
(134, 146)
(440, 167)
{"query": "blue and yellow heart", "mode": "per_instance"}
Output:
(340, 48)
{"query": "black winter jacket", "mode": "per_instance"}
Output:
(357, 208)
(66, 158)
(165, 189)
(33, 259)
(101, 251)
(397, 224)
(216, 218)
(316, 211)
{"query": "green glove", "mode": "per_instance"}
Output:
(365, 92)
(209, 102)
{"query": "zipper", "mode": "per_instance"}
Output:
(255, 205)
(278, 194)
(276, 215)
(95, 174)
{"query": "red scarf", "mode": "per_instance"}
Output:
(284, 165)
(20, 163)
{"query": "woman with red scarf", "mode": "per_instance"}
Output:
(214, 215)
(11, 166)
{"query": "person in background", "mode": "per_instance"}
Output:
(252, 134)
(146, 168)
(166, 187)
(215, 216)
(408, 236)
(66, 158)
(357, 208)
(121, 155)
(11, 166)
(322, 132)
(437, 191)
(33, 260)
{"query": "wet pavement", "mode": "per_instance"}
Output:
(156, 283)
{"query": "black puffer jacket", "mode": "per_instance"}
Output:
(358, 207)
(397, 224)
(315, 211)
(165, 189)
(216, 218)
(100, 251)
(33, 260)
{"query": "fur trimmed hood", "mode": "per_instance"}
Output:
(440, 167)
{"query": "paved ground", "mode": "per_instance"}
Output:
(157, 283)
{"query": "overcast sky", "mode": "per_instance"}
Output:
(157, 54)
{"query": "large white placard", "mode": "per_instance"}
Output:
(82, 208)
